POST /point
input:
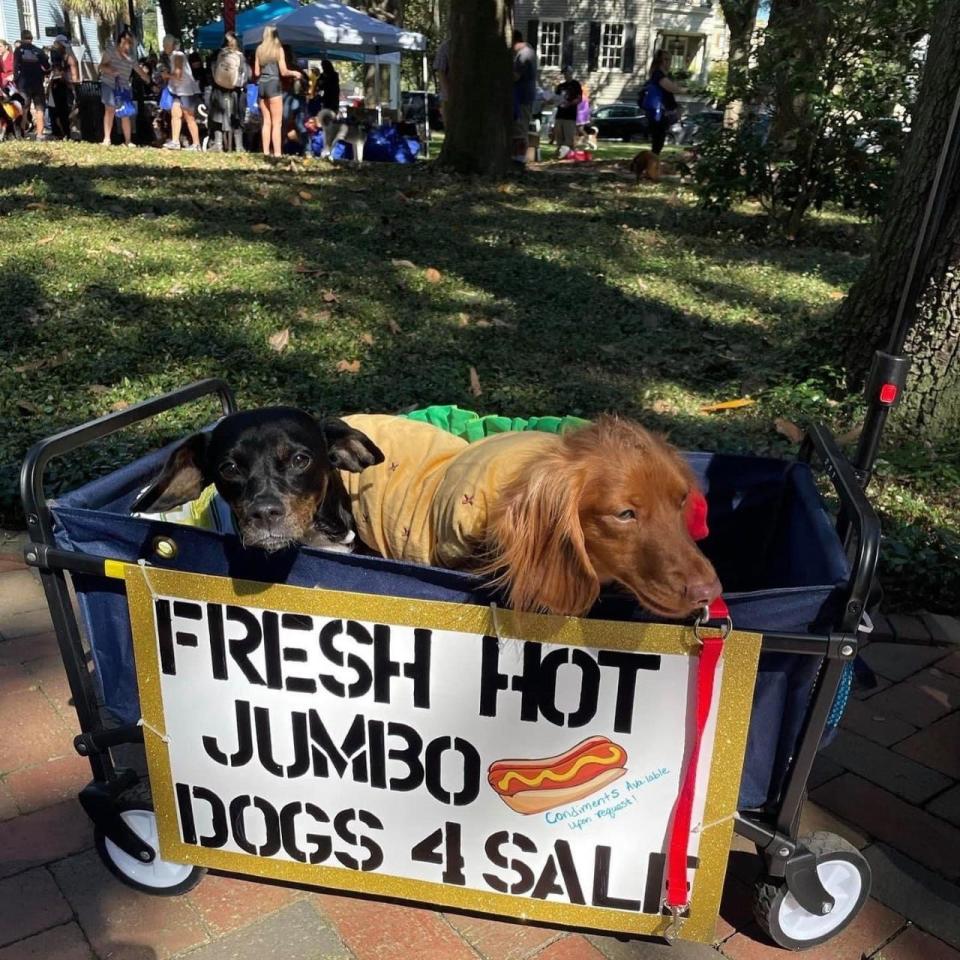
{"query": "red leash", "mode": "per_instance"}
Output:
(677, 897)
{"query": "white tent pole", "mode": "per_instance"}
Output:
(376, 85)
(426, 103)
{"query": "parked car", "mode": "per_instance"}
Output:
(621, 121)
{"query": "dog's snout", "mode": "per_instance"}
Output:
(264, 510)
(702, 593)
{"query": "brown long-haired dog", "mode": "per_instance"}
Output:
(552, 518)
(607, 505)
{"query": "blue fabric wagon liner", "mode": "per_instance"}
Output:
(771, 539)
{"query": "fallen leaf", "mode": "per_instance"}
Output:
(500, 322)
(45, 241)
(305, 195)
(27, 406)
(432, 275)
(296, 202)
(463, 319)
(260, 228)
(789, 429)
(484, 323)
(211, 277)
(367, 338)
(475, 387)
(119, 405)
(330, 297)
(307, 268)
(728, 405)
(98, 389)
(36, 205)
(403, 264)
(121, 252)
(836, 294)
(393, 326)
(278, 341)
(663, 406)
(348, 366)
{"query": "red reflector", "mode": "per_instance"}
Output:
(888, 393)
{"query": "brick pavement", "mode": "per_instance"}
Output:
(888, 783)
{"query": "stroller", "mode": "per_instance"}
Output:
(11, 113)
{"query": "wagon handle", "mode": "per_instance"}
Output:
(855, 511)
(40, 454)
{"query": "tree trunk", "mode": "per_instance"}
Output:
(479, 111)
(170, 11)
(741, 17)
(931, 406)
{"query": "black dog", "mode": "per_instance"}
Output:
(277, 469)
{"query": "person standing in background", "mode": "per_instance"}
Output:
(116, 68)
(565, 127)
(30, 66)
(524, 93)
(6, 64)
(186, 97)
(64, 77)
(229, 86)
(329, 86)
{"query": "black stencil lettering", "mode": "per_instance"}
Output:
(471, 770)
(242, 647)
(419, 670)
(547, 883)
(238, 806)
(568, 871)
(168, 663)
(221, 831)
(271, 650)
(301, 745)
(385, 668)
(589, 688)
(428, 851)
(376, 748)
(272, 822)
(352, 748)
(492, 681)
(627, 665)
(341, 823)
(297, 621)
(188, 829)
(218, 650)
(320, 842)
(492, 849)
(528, 683)
(408, 754)
(601, 883)
(187, 611)
(244, 739)
(261, 720)
(364, 680)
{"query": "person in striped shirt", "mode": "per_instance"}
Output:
(116, 68)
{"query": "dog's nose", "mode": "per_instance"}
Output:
(265, 511)
(702, 593)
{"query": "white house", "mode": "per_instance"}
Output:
(609, 43)
(45, 19)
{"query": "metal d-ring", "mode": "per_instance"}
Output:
(703, 619)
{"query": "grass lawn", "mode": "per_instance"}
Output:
(380, 288)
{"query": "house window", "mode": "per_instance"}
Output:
(550, 43)
(27, 20)
(680, 52)
(611, 46)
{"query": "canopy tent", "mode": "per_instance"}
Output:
(210, 35)
(329, 28)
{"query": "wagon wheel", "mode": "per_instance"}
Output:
(161, 878)
(844, 873)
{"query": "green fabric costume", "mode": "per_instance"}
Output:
(471, 426)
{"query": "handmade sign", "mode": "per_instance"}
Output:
(457, 755)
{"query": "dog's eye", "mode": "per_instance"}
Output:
(229, 470)
(300, 461)
(626, 515)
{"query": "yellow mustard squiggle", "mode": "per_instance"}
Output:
(615, 754)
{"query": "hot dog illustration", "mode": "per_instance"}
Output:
(533, 786)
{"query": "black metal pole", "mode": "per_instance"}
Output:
(888, 374)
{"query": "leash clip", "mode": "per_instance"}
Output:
(677, 917)
(703, 618)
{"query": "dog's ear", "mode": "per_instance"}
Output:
(537, 545)
(181, 480)
(349, 449)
